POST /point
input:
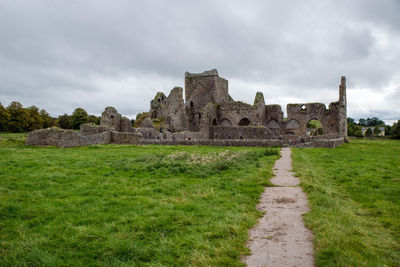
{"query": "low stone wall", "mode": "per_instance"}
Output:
(216, 142)
(329, 143)
(65, 138)
(125, 138)
(240, 132)
(70, 138)
(186, 135)
(53, 137)
(95, 139)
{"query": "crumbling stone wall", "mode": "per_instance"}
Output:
(125, 138)
(65, 138)
(171, 109)
(126, 125)
(200, 90)
(88, 129)
(111, 118)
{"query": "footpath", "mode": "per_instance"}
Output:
(280, 238)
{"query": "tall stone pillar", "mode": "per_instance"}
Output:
(342, 107)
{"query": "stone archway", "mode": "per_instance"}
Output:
(225, 122)
(314, 128)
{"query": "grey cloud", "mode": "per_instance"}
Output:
(58, 54)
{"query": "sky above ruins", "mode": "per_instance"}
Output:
(59, 55)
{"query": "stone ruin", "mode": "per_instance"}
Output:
(207, 115)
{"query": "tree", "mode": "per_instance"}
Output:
(64, 121)
(362, 122)
(47, 120)
(350, 121)
(377, 131)
(388, 130)
(94, 119)
(396, 130)
(358, 132)
(19, 121)
(374, 122)
(4, 119)
(79, 116)
(34, 119)
(368, 132)
(354, 130)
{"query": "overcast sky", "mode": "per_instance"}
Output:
(60, 55)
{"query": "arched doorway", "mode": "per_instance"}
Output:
(244, 122)
(314, 128)
(293, 127)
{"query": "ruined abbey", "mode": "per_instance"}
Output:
(205, 114)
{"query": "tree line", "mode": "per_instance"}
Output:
(355, 128)
(15, 118)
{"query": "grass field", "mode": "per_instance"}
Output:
(354, 193)
(128, 205)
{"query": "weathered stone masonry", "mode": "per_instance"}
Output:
(208, 115)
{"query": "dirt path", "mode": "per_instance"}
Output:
(280, 237)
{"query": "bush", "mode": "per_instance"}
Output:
(271, 152)
(368, 132)
(139, 118)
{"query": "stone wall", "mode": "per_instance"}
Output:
(171, 109)
(125, 138)
(202, 89)
(126, 125)
(65, 138)
(95, 139)
(88, 129)
(237, 112)
(239, 132)
(53, 137)
(247, 143)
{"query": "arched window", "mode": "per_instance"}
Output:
(191, 104)
(244, 122)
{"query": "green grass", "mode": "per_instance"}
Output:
(354, 193)
(114, 205)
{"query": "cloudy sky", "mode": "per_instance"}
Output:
(60, 55)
